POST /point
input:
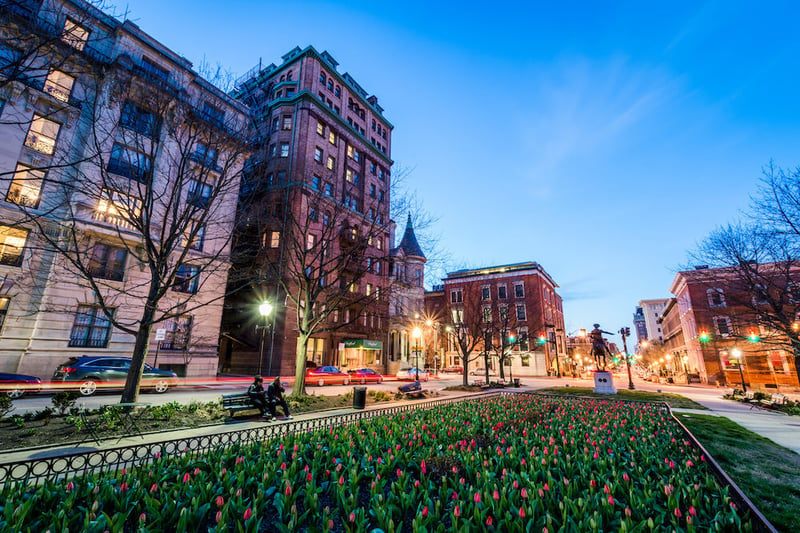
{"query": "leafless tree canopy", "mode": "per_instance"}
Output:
(758, 259)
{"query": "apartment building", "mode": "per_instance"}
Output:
(321, 182)
(110, 143)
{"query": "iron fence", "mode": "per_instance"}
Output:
(96, 461)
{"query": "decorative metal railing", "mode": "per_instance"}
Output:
(80, 463)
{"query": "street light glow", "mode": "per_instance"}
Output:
(265, 309)
(416, 332)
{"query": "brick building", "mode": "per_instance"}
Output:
(517, 301)
(325, 159)
(718, 323)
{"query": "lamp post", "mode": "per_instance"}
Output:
(416, 333)
(265, 309)
(435, 328)
(737, 353)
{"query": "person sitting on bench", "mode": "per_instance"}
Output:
(275, 397)
(258, 397)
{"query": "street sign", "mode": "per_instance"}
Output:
(161, 334)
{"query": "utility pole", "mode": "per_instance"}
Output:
(625, 332)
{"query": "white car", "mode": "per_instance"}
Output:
(482, 372)
(411, 374)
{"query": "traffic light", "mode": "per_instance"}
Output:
(627, 332)
(752, 336)
(703, 336)
(512, 338)
(542, 338)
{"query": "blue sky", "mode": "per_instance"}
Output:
(601, 141)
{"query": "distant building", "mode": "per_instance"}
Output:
(716, 325)
(652, 309)
(640, 325)
(675, 344)
(526, 294)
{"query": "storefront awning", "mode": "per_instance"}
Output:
(366, 344)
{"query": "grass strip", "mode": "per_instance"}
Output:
(673, 400)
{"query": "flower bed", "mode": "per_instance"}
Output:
(511, 463)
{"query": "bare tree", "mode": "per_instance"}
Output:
(326, 260)
(499, 332)
(757, 261)
(152, 184)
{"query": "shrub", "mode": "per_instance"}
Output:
(18, 422)
(64, 401)
(6, 405)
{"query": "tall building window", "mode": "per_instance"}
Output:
(75, 35)
(59, 85)
(187, 279)
(139, 120)
(25, 187)
(486, 313)
(722, 325)
(42, 135)
(129, 163)
(332, 138)
(456, 296)
(286, 125)
(519, 290)
(178, 333)
(501, 292)
(194, 235)
(275, 240)
(331, 162)
(522, 339)
(311, 240)
(716, 298)
(199, 194)
(318, 154)
(91, 328)
(4, 302)
(12, 244)
(205, 155)
(115, 207)
(486, 293)
(320, 129)
(521, 314)
(284, 149)
(328, 189)
(316, 182)
(213, 115)
(107, 262)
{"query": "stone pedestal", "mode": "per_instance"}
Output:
(603, 383)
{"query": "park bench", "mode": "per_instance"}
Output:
(237, 403)
(412, 389)
(775, 399)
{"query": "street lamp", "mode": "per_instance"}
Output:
(737, 354)
(435, 328)
(265, 309)
(416, 333)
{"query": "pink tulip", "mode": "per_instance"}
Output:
(522, 512)
(692, 511)
(352, 517)
(425, 511)
(424, 468)
(457, 511)
(610, 499)
(219, 516)
(248, 513)
(153, 487)
(142, 518)
(70, 486)
(477, 497)
(496, 495)
(524, 493)
(628, 512)
(123, 487)
(220, 501)
(288, 490)
(489, 521)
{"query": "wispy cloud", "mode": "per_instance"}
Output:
(581, 107)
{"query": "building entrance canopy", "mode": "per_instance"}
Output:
(365, 344)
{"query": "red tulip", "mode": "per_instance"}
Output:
(692, 511)
(123, 487)
(425, 511)
(489, 521)
(352, 517)
(496, 495)
(610, 499)
(247, 514)
(524, 493)
(522, 512)
(142, 518)
(220, 501)
(219, 516)
(457, 511)
(477, 497)
(677, 513)
(70, 486)
(153, 487)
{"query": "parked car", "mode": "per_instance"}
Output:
(365, 375)
(412, 374)
(327, 374)
(453, 370)
(16, 385)
(91, 372)
(482, 372)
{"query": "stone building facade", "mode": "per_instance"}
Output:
(75, 116)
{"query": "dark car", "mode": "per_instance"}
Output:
(365, 375)
(326, 374)
(16, 385)
(90, 372)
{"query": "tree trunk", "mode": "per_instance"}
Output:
(486, 365)
(130, 394)
(299, 388)
(465, 369)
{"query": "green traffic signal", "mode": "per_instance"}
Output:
(704, 336)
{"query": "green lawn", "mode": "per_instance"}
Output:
(769, 474)
(673, 400)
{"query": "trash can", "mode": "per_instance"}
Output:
(359, 397)
(516, 382)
